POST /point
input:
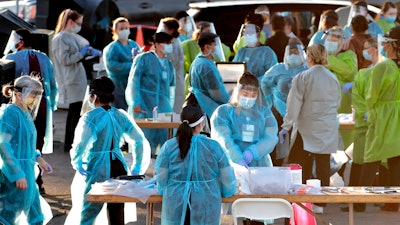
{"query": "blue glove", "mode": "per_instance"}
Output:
(84, 50)
(347, 87)
(282, 134)
(82, 171)
(243, 163)
(247, 156)
(95, 52)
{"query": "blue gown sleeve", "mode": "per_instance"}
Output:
(112, 56)
(268, 82)
(226, 173)
(53, 86)
(132, 92)
(161, 167)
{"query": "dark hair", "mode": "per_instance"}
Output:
(172, 24)
(277, 22)
(160, 37)
(248, 79)
(255, 19)
(181, 14)
(385, 8)
(206, 38)
(331, 18)
(361, 3)
(189, 114)
(289, 20)
(202, 25)
(63, 18)
(359, 24)
(26, 36)
(103, 87)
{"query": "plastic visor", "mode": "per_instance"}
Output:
(355, 11)
(236, 91)
(294, 48)
(218, 48)
(12, 41)
(31, 100)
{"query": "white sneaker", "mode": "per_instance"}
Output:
(317, 209)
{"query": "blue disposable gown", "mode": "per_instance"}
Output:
(207, 84)
(98, 136)
(149, 86)
(17, 160)
(198, 180)
(227, 125)
(373, 29)
(317, 38)
(118, 62)
(258, 60)
(276, 83)
(49, 85)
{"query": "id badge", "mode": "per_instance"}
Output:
(247, 133)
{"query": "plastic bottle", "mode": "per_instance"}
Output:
(155, 113)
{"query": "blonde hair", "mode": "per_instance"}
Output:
(318, 54)
(24, 81)
(67, 14)
(115, 24)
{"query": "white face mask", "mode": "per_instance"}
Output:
(331, 46)
(188, 28)
(294, 60)
(246, 102)
(124, 34)
(251, 39)
(76, 29)
(167, 49)
(92, 104)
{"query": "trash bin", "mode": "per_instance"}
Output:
(7, 75)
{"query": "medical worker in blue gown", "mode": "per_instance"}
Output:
(193, 174)
(19, 194)
(96, 155)
(205, 79)
(258, 58)
(150, 82)
(246, 129)
(118, 58)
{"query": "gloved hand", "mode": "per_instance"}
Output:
(82, 171)
(282, 134)
(243, 163)
(247, 156)
(347, 87)
(84, 50)
(95, 52)
(365, 116)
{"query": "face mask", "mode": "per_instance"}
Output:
(167, 49)
(246, 102)
(294, 60)
(124, 34)
(91, 104)
(331, 46)
(14, 48)
(366, 55)
(383, 53)
(76, 29)
(188, 28)
(390, 19)
(211, 52)
(251, 39)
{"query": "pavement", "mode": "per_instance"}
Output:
(58, 194)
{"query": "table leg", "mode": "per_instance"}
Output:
(351, 214)
(170, 133)
(150, 214)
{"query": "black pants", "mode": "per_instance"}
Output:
(369, 171)
(40, 124)
(279, 120)
(116, 210)
(73, 116)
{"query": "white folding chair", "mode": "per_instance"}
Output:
(261, 209)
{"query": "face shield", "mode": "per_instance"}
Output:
(382, 42)
(31, 100)
(333, 42)
(13, 40)
(219, 53)
(248, 32)
(356, 10)
(163, 28)
(294, 56)
(246, 96)
(188, 25)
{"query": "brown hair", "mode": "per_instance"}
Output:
(384, 9)
(67, 14)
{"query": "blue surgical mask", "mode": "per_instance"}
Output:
(366, 55)
(390, 19)
(167, 49)
(331, 46)
(383, 53)
(246, 102)
(251, 39)
(294, 60)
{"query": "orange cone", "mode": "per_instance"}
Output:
(139, 36)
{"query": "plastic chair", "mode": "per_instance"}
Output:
(261, 209)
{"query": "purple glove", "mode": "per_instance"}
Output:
(247, 156)
(347, 87)
(282, 134)
(243, 163)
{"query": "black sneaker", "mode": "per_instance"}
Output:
(42, 191)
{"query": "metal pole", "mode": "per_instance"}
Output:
(17, 6)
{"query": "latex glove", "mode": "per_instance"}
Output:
(247, 156)
(347, 87)
(243, 163)
(365, 116)
(84, 50)
(282, 134)
(82, 171)
(95, 52)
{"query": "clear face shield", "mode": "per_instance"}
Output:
(31, 100)
(246, 96)
(249, 33)
(382, 43)
(333, 42)
(355, 11)
(188, 25)
(295, 56)
(13, 40)
(219, 53)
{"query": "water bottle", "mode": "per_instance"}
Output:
(155, 113)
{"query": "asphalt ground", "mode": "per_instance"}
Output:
(57, 186)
